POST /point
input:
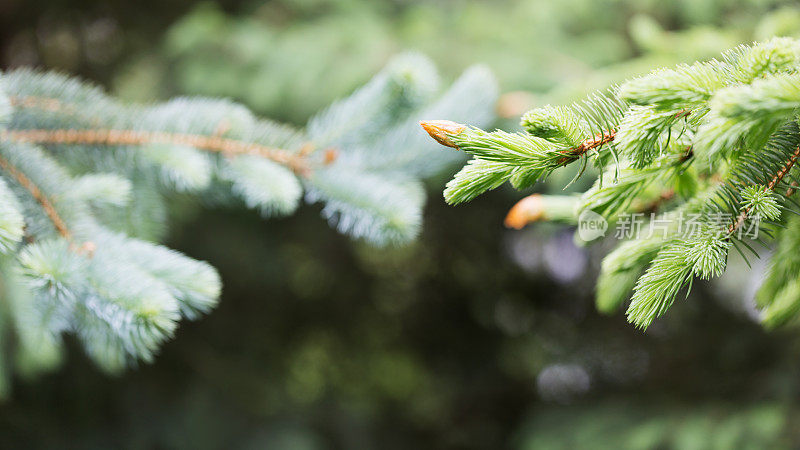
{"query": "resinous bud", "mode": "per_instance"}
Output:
(441, 130)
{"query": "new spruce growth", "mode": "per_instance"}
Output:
(84, 181)
(704, 152)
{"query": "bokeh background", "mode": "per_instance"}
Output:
(474, 336)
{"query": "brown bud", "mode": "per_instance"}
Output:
(529, 209)
(330, 156)
(792, 190)
(441, 130)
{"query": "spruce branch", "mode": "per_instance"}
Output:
(715, 139)
(85, 179)
(458, 136)
(500, 156)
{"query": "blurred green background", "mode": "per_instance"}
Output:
(473, 337)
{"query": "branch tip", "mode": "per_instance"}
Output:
(441, 130)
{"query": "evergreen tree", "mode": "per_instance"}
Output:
(84, 181)
(703, 154)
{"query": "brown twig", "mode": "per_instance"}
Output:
(608, 136)
(770, 187)
(587, 145)
(43, 103)
(216, 143)
(130, 137)
(39, 196)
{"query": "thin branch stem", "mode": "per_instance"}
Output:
(43, 103)
(587, 145)
(776, 179)
(606, 137)
(130, 137)
(99, 136)
(39, 196)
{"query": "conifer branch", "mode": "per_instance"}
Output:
(445, 131)
(121, 294)
(716, 139)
